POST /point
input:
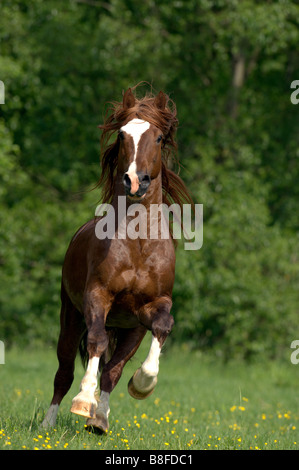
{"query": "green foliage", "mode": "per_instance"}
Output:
(238, 294)
(228, 66)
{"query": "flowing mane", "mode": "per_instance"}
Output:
(174, 189)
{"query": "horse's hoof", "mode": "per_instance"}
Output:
(82, 408)
(141, 394)
(97, 425)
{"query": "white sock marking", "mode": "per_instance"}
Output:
(103, 405)
(89, 381)
(150, 367)
(50, 418)
(145, 378)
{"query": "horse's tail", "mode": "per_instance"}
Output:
(106, 356)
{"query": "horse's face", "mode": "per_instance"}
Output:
(140, 155)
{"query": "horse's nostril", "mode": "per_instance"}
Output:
(127, 181)
(144, 180)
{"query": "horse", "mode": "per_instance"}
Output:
(115, 290)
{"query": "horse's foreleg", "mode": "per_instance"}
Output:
(85, 403)
(128, 341)
(156, 316)
(143, 382)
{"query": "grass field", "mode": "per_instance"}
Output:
(197, 404)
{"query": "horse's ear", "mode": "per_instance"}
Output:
(128, 99)
(161, 100)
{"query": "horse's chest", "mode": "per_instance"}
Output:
(149, 278)
(138, 281)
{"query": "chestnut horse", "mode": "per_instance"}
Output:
(115, 290)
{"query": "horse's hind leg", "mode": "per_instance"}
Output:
(71, 330)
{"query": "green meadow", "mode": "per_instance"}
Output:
(199, 403)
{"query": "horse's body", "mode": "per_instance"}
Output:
(115, 290)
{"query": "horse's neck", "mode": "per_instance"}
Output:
(152, 204)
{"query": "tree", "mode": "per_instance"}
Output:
(228, 66)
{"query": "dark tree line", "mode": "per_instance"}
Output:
(228, 65)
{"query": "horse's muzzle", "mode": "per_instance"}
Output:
(142, 184)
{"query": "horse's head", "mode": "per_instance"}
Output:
(137, 162)
(140, 149)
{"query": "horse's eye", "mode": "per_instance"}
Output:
(121, 135)
(159, 139)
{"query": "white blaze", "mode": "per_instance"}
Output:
(135, 128)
